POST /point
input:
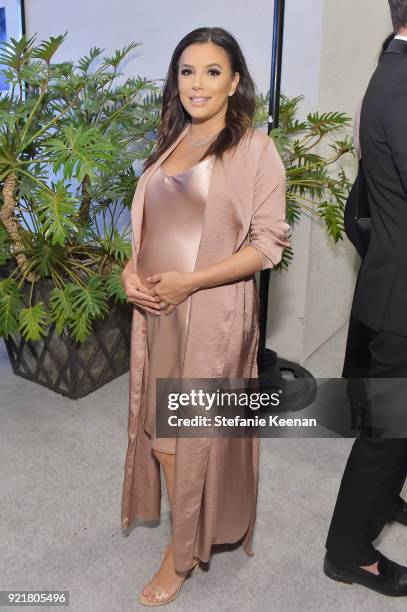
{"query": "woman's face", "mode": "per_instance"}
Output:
(204, 71)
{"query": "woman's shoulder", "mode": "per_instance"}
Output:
(257, 141)
(263, 154)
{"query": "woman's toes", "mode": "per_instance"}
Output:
(152, 595)
(159, 595)
(148, 589)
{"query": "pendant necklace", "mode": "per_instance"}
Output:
(203, 142)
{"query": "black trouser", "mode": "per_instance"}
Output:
(375, 471)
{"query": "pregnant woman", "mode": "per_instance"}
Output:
(208, 212)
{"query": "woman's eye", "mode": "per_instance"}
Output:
(185, 71)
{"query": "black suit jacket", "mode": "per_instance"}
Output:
(380, 299)
(357, 206)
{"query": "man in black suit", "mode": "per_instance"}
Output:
(377, 467)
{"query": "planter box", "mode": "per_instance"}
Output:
(68, 367)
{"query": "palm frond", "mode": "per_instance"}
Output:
(10, 304)
(114, 285)
(117, 246)
(81, 327)
(119, 55)
(33, 321)
(85, 62)
(47, 48)
(80, 151)
(16, 53)
(56, 210)
(286, 259)
(90, 300)
(61, 306)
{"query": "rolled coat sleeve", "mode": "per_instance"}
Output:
(269, 232)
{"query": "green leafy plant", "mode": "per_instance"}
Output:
(316, 184)
(69, 137)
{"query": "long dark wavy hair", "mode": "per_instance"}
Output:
(241, 106)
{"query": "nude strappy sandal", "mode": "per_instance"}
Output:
(162, 602)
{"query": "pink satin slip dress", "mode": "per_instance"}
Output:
(171, 231)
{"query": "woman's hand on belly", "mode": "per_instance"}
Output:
(138, 293)
(171, 288)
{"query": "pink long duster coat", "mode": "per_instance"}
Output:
(216, 478)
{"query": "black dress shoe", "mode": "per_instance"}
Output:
(392, 578)
(399, 511)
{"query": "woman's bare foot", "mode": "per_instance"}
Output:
(166, 581)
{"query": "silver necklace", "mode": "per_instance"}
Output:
(204, 142)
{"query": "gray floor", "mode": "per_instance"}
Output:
(62, 468)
